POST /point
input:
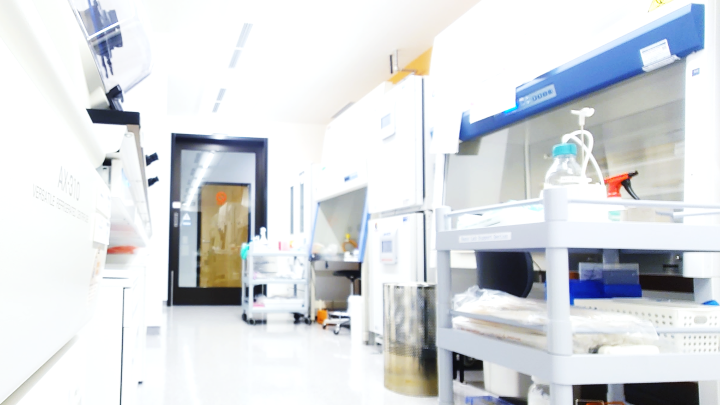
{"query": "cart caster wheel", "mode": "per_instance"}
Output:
(244, 317)
(324, 326)
(297, 317)
(337, 332)
(251, 322)
(308, 321)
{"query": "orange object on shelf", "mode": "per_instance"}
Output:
(353, 245)
(119, 250)
(321, 315)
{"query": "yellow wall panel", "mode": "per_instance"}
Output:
(421, 65)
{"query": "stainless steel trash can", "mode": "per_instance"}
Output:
(409, 338)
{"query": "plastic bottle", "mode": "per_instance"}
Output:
(539, 393)
(260, 243)
(565, 170)
(263, 236)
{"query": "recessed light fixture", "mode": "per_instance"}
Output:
(244, 34)
(234, 58)
(239, 46)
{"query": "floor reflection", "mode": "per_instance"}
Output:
(207, 355)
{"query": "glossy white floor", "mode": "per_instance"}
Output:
(208, 355)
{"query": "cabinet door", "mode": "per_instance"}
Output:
(128, 393)
(104, 339)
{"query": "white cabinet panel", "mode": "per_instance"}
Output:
(347, 146)
(116, 338)
(402, 238)
(395, 162)
(130, 361)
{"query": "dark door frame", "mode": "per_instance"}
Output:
(259, 146)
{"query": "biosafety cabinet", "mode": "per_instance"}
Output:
(650, 73)
(340, 188)
(652, 115)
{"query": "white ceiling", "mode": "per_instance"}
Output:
(303, 61)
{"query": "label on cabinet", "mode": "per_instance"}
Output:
(486, 237)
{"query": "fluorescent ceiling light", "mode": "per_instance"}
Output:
(235, 57)
(237, 52)
(244, 35)
(205, 161)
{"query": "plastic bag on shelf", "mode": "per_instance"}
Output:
(503, 217)
(267, 266)
(278, 267)
(524, 321)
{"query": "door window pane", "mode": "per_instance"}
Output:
(216, 216)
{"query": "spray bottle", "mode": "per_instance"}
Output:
(613, 191)
(621, 180)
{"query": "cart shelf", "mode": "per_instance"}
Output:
(300, 309)
(259, 281)
(586, 236)
(557, 236)
(582, 369)
(279, 308)
(282, 253)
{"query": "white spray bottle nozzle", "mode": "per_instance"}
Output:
(582, 114)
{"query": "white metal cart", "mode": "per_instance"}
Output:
(556, 236)
(298, 306)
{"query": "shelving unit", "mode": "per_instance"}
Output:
(298, 308)
(557, 237)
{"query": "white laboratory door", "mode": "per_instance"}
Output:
(395, 165)
(396, 254)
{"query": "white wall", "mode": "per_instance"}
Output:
(291, 147)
